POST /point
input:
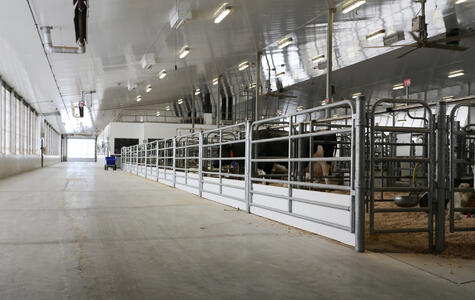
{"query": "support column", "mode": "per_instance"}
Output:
(441, 175)
(331, 15)
(258, 87)
(200, 165)
(359, 181)
(247, 168)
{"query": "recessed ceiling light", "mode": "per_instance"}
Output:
(184, 52)
(139, 98)
(285, 42)
(356, 95)
(456, 73)
(318, 57)
(375, 34)
(180, 101)
(215, 81)
(398, 86)
(197, 92)
(222, 12)
(168, 107)
(243, 66)
(162, 74)
(351, 5)
(280, 74)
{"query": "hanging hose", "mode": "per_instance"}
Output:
(414, 173)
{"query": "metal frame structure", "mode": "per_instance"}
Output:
(461, 140)
(428, 158)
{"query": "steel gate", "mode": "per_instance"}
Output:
(396, 165)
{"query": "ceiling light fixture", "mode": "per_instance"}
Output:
(139, 98)
(398, 86)
(184, 52)
(148, 88)
(318, 57)
(457, 73)
(222, 12)
(324, 102)
(278, 75)
(243, 66)
(162, 74)
(460, 1)
(300, 108)
(158, 114)
(215, 81)
(447, 98)
(375, 34)
(356, 95)
(180, 101)
(351, 5)
(252, 85)
(168, 108)
(285, 42)
(197, 92)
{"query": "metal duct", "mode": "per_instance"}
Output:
(48, 44)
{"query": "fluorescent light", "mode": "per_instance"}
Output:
(398, 86)
(460, 1)
(300, 108)
(148, 88)
(318, 57)
(222, 13)
(139, 98)
(167, 108)
(197, 92)
(324, 102)
(243, 66)
(158, 114)
(351, 5)
(180, 101)
(456, 73)
(285, 42)
(162, 74)
(215, 81)
(280, 74)
(375, 34)
(184, 52)
(356, 95)
(252, 85)
(447, 97)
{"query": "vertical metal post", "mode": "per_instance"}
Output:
(218, 104)
(156, 160)
(247, 168)
(441, 175)
(301, 151)
(258, 86)
(359, 181)
(174, 162)
(137, 160)
(193, 111)
(146, 159)
(200, 164)
(331, 15)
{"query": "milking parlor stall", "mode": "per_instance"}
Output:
(389, 175)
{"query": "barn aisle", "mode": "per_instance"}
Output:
(76, 231)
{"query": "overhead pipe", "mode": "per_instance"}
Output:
(48, 44)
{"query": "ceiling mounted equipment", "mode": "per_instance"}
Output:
(398, 86)
(168, 108)
(131, 85)
(393, 38)
(457, 73)
(318, 57)
(180, 101)
(158, 114)
(80, 21)
(422, 41)
(375, 34)
(197, 92)
(139, 98)
(148, 88)
(350, 5)
(280, 74)
(178, 16)
(222, 12)
(356, 95)
(215, 81)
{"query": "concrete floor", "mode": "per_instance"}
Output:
(74, 231)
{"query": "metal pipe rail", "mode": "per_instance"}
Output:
(458, 143)
(387, 161)
(221, 161)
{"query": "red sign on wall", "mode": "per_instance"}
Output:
(407, 82)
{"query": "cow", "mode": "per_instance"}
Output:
(463, 199)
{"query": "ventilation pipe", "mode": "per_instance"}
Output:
(48, 44)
